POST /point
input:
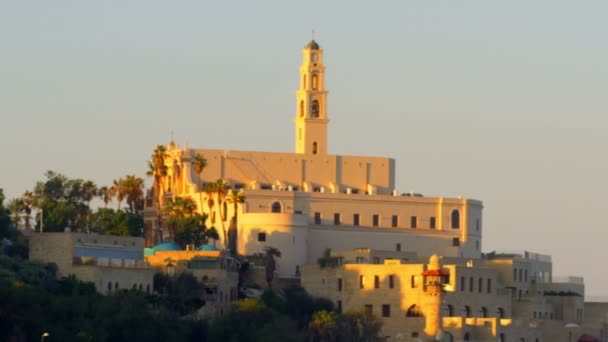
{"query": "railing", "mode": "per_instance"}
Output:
(118, 263)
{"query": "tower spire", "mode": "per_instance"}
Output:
(311, 116)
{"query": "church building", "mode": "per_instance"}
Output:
(309, 200)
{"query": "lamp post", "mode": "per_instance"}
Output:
(46, 334)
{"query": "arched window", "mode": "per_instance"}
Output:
(483, 311)
(276, 207)
(301, 112)
(455, 219)
(315, 108)
(109, 286)
(314, 148)
(116, 286)
(466, 311)
(315, 82)
(413, 311)
(450, 311)
(501, 313)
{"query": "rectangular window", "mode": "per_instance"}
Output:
(317, 218)
(361, 282)
(432, 222)
(462, 284)
(480, 285)
(395, 221)
(337, 219)
(376, 282)
(456, 242)
(515, 274)
(414, 222)
(368, 309)
(413, 282)
(339, 284)
(398, 247)
(376, 260)
(376, 220)
(261, 237)
(525, 275)
(391, 281)
(471, 285)
(489, 286)
(339, 306)
(386, 310)
(355, 219)
(520, 275)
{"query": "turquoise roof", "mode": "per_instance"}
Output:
(167, 246)
(207, 248)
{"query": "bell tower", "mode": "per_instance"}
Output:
(311, 111)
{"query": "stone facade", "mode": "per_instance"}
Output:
(110, 262)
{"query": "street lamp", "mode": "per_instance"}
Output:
(46, 334)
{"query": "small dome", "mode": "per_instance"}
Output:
(313, 45)
(207, 248)
(167, 246)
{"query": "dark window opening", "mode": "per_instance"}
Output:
(386, 310)
(339, 284)
(391, 281)
(414, 222)
(432, 222)
(315, 109)
(261, 237)
(276, 207)
(455, 219)
(395, 221)
(375, 220)
(398, 247)
(376, 282)
(337, 219)
(456, 242)
(314, 147)
(355, 219)
(317, 218)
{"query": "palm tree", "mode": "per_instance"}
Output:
(158, 170)
(104, 194)
(27, 200)
(199, 163)
(89, 191)
(235, 198)
(177, 210)
(218, 190)
(271, 265)
(133, 187)
(15, 206)
(118, 191)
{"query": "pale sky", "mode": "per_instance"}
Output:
(502, 102)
